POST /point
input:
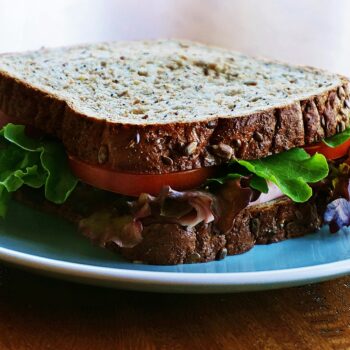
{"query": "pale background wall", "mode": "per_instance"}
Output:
(314, 32)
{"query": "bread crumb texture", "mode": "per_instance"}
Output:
(160, 82)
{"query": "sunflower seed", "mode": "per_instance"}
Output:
(341, 92)
(167, 160)
(255, 226)
(209, 160)
(194, 257)
(222, 253)
(344, 112)
(102, 155)
(191, 148)
(137, 138)
(211, 124)
(258, 137)
(237, 143)
(340, 127)
(223, 151)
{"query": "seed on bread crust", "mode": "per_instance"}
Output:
(254, 226)
(344, 112)
(167, 160)
(258, 136)
(341, 126)
(191, 148)
(209, 159)
(237, 143)
(222, 253)
(223, 151)
(102, 154)
(341, 93)
(211, 124)
(194, 258)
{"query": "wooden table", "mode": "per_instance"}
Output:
(41, 313)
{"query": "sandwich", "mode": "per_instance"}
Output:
(172, 152)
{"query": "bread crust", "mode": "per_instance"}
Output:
(164, 148)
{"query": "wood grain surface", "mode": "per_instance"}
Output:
(41, 313)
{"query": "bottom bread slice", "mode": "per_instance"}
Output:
(261, 224)
(169, 244)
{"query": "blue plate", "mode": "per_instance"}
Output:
(50, 245)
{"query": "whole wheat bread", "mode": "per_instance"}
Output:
(169, 244)
(163, 106)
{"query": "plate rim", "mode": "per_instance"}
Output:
(267, 278)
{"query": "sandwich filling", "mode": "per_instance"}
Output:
(212, 196)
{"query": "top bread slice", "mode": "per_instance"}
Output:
(165, 106)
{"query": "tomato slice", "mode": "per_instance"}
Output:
(329, 152)
(131, 184)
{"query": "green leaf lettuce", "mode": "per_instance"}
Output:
(291, 171)
(32, 162)
(337, 139)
